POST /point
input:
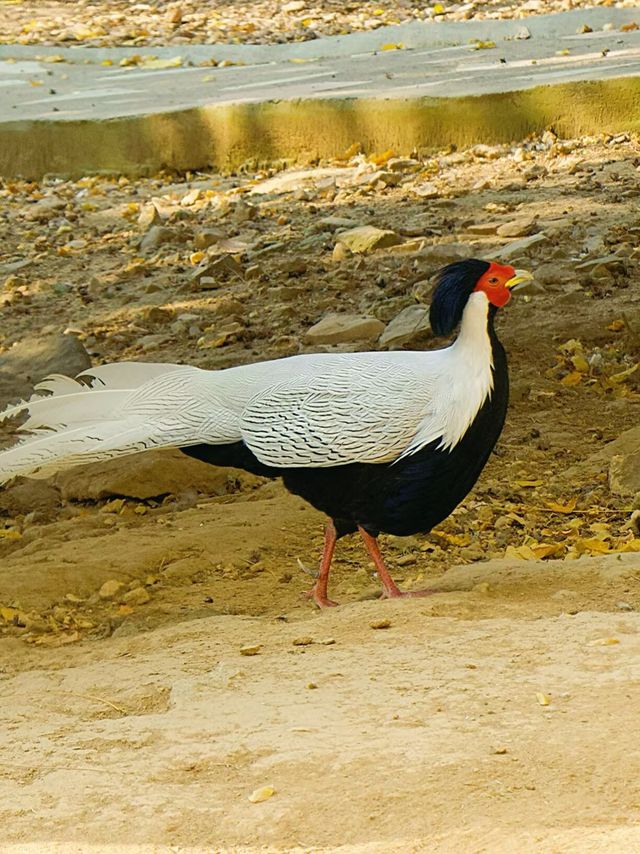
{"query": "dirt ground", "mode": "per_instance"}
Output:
(500, 714)
(107, 23)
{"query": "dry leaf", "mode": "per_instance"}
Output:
(392, 46)
(569, 507)
(572, 379)
(543, 699)
(529, 483)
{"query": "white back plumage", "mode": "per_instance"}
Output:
(314, 410)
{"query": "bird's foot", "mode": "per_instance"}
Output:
(395, 592)
(321, 599)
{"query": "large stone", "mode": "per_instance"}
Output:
(517, 227)
(30, 361)
(148, 475)
(367, 238)
(439, 254)
(624, 474)
(344, 328)
(409, 329)
(519, 248)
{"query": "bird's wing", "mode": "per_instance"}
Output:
(364, 413)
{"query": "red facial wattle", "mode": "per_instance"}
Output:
(494, 284)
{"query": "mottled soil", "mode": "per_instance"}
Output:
(497, 716)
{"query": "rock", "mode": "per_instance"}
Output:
(208, 237)
(157, 236)
(624, 474)
(403, 164)
(137, 596)
(440, 254)
(483, 227)
(344, 328)
(408, 329)
(30, 361)
(222, 267)
(340, 252)
(523, 33)
(27, 496)
(427, 190)
(44, 209)
(609, 263)
(110, 589)
(191, 198)
(149, 216)
(148, 475)
(517, 228)
(627, 444)
(383, 179)
(333, 223)
(519, 248)
(367, 238)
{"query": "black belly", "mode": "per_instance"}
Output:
(402, 498)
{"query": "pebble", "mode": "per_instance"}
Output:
(157, 236)
(251, 649)
(380, 624)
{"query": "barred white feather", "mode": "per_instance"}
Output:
(314, 410)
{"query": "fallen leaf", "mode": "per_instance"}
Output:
(543, 699)
(572, 379)
(569, 507)
(529, 483)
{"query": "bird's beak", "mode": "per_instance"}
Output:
(520, 277)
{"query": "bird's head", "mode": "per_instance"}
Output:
(456, 282)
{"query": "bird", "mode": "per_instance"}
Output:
(378, 441)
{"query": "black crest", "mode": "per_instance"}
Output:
(454, 285)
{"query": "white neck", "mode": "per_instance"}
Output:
(470, 373)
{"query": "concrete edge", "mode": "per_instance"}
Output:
(233, 136)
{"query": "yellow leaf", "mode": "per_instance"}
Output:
(569, 507)
(543, 699)
(565, 52)
(616, 325)
(351, 151)
(107, 62)
(9, 535)
(592, 546)
(480, 45)
(392, 46)
(544, 550)
(381, 159)
(605, 642)
(520, 552)
(580, 363)
(572, 379)
(623, 375)
(196, 257)
(35, 82)
(529, 483)
(158, 64)
(438, 9)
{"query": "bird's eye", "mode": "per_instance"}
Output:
(493, 280)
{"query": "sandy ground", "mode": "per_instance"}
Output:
(499, 715)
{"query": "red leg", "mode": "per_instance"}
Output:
(319, 590)
(390, 589)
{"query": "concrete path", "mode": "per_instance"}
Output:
(411, 86)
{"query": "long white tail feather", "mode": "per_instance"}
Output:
(88, 419)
